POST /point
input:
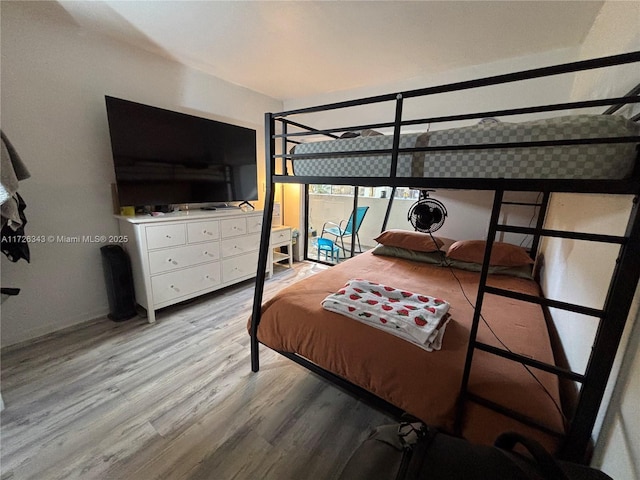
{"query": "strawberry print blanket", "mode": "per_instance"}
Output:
(420, 319)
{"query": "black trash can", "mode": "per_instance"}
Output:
(119, 281)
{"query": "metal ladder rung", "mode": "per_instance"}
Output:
(593, 312)
(547, 367)
(523, 204)
(593, 237)
(525, 419)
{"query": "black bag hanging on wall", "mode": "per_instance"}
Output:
(413, 451)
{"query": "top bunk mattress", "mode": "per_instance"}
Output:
(580, 162)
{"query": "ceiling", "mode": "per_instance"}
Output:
(296, 49)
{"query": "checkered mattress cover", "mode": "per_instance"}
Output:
(598, 161)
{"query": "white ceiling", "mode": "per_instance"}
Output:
(301, 48)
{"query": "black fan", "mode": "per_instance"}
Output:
(427, 214)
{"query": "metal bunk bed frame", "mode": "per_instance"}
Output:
(624, 279)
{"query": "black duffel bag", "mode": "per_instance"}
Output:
(413, 451)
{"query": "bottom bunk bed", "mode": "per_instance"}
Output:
(426, 384)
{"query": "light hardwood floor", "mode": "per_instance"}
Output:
(174, 400)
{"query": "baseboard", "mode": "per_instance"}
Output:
(39, 334)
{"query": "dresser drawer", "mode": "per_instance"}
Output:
(238, 267)
(237, 246)
(165, 236)
(203, 231)
(254, 224)
(280, 236)
(231, 227)
(180, 257)
(181, 283)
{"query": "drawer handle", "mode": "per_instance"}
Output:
(205, 232)
(174, 288)
(168, 236)
(172, 261)
(209, 254)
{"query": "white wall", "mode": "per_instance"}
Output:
(541, 91)
(54, 78)
(463, 222)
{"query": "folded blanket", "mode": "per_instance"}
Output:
(420, 319)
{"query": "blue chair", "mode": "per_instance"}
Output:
(329, 248)
(346, 228)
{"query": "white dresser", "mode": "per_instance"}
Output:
(182, 255)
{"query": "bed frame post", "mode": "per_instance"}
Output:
(283, 168)
(394, 157)
(306, 222)
(605, 345)
(263, 257)
(356, 192)
(388, 211)
(396, 136)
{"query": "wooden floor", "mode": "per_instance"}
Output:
(174, 400)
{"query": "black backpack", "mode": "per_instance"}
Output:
(414, 451)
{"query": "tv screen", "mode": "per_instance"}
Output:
(163, 157)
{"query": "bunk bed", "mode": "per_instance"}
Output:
(476, 386)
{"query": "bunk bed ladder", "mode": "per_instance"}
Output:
(612, 316)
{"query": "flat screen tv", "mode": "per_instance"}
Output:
(163, 157)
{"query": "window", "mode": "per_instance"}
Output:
(366, 192)
(334, 203)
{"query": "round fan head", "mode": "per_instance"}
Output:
(427, 215)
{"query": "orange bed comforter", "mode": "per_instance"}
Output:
(424, 384)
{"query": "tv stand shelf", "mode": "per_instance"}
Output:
(182, 255)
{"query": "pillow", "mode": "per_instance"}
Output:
(416, 241)
(435, 258)
(503, 254)
(350, 135)
(369, 133)
(522, 271)
(446, 243)
(438, 258)
(488, 121)
(364, 133)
